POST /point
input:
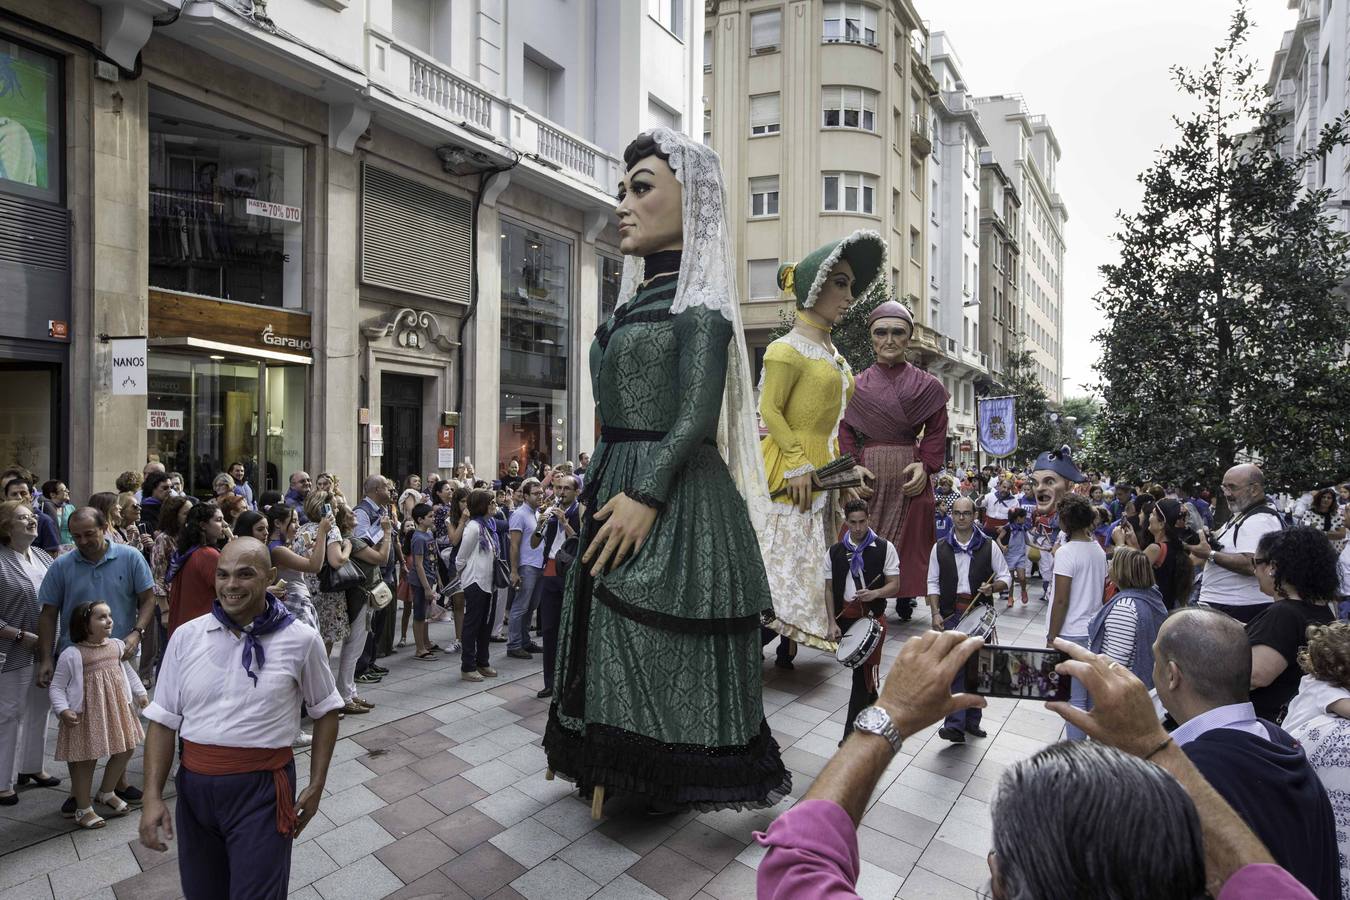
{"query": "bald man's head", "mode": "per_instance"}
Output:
(243, 573)
(1244, 486)
(1201, 659)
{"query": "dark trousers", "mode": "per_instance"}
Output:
(859, 697)
(477, 628)
(767, 634)
(228, 845)
(550, 615)
(380, 621)
(962, 719)
(1243, 614)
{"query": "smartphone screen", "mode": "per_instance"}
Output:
(327, 510)
(1022, 673)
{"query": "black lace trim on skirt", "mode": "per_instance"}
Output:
(750, 776)
(678, 624)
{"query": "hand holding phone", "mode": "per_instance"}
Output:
(1020, 673)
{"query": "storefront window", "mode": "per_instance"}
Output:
(225, 207)
(611, 276)
(30, 122)
(285, 425)
(203, 413)
(536, 325)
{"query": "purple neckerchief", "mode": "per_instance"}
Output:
(855, 560)
(176, 563)
(977, 539)
(274, 618)
(486, 525)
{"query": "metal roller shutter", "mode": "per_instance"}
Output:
(414, 238)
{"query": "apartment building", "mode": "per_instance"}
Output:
(1000, 279)
(1309, 83)
(1025, 147)
(356, 237)
(819, 111)
(955, 240)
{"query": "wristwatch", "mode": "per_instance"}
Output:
(875, 720)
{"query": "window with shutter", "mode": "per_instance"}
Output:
(766, 29)
(764, 196)
(763, 279)
(765, 117)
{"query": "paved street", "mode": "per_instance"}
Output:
(440, 792)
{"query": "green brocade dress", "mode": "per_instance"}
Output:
(658, 687)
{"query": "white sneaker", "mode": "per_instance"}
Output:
(303, 739)
(456, 647)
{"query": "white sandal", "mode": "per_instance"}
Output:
(87, 818)
(116, 805)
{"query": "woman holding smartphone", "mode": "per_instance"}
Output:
(329, 607)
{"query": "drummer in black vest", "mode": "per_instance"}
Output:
(861, 572)
(966, 565)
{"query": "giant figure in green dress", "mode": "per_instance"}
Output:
(658, 682)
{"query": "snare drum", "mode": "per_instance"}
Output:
(859, 642)
(978, 621)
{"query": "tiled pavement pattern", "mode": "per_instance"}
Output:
(440, 792)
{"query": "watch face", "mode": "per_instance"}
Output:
(871, 719)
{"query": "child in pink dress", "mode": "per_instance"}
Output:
(92, 693)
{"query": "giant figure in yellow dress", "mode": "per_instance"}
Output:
(803, 393)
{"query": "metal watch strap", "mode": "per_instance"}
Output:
(885, 728)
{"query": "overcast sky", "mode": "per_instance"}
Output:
(1099, 71)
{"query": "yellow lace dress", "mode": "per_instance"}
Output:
(803, 393)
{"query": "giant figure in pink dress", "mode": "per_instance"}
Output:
(896, 426)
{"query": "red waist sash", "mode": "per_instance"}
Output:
(209, 759)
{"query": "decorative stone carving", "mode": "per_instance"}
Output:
(410, 329)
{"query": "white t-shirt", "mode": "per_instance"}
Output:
(997, 509)
(1343, 567)
(1220, 585)
(890, 568)
(1311, 701)
(1085, 563)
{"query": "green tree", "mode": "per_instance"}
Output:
(1225, 335)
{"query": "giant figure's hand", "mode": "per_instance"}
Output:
(627, 524)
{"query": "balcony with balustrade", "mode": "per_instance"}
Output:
(438, 96)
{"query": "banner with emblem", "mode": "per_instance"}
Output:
(998, 425)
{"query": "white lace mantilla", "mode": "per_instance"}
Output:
(824, 271)
(707, 279)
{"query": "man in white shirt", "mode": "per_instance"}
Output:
(230, 687)
(996, 505)
(964, 567)
(1228, 582)
(527, 570)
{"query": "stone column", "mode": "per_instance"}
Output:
(108, 434)
(481, 416)
(333, 439)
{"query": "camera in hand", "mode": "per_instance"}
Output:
(1021, 673)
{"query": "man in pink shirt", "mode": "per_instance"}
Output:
(813, 848)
